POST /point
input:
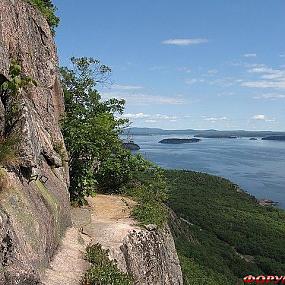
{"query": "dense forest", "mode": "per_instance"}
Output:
(226, 235)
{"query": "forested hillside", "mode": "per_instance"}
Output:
(226, 235)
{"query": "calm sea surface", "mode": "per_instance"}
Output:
(257, 166)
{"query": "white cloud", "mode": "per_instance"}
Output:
(268, 72)
(191, 81)
(126, 87)
(259, 117)
(263, 118)
(133, 98)
(184, 69)
(223, 82)
(212, 71)
(264, 84)
(215, 119)
(136, 116)
(250, 55)
(271, 96)
(185, 42)
(165, 117)
(270, 120)
(267, 77)
(228, 93)
(150, 117)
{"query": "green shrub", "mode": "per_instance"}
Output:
(48, 10)
(17, 81)
(148, 188)
(4, 180)
(150, 212)
(8, 151)
(11, 89)
(59, 148)
(103, 271)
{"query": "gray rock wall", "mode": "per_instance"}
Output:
(151, 257)
(33, 214)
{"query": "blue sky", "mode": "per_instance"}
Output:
(185, 64)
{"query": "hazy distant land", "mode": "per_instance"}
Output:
(274, 138)
(204, 133)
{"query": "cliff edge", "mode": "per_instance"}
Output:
(148, 254)
(34, 199)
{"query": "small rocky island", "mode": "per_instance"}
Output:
(131, 146)
(267, 202)
(253, 139)
(274, 138)
(179, 141)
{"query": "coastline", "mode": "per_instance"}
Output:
(219, 217)
(256, 166)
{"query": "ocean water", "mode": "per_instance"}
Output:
(257, 166)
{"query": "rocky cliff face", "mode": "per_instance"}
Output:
(148, 254)
(34, 200)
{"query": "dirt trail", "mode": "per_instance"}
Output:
(68, 265)
(106, 221)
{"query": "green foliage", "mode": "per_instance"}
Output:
(196, 274)
(103, 271)
(4, 182)
(148, 188)
(11, 89)
(47, 8)
(98, 160)
(91, 130)
(229, 233)
(119, 168)
(59, 147)
(150, 212)
(17, 81)
(8, 151)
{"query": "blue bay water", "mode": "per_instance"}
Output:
(257, 166)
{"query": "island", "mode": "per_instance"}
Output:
(253, 139)
(131, 146)
(274, 138)
(267, 202)
(179, 141)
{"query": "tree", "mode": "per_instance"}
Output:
(47, 8)
(91, 129)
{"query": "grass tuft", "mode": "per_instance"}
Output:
(8, 151)
(103, 270)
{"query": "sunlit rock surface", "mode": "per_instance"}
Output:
(34, 200)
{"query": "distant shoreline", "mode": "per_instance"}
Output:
(264, 202)
(202, 133)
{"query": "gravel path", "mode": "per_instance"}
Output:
(106, 221)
